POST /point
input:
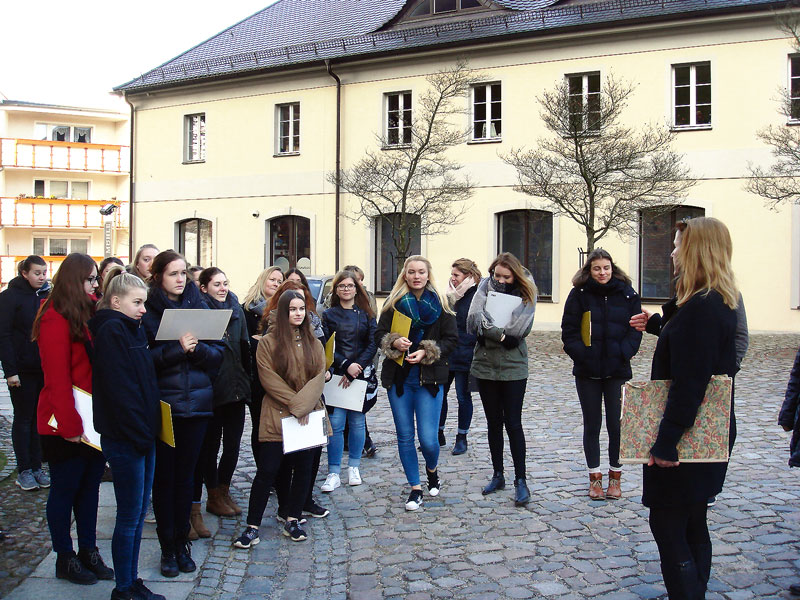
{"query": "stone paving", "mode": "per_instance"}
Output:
(464, 545)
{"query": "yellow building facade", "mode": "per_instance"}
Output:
(232, 169)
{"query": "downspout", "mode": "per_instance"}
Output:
(130, 185)
(338, 155)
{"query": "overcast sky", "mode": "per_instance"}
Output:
(74, 52)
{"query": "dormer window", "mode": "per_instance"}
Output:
(435, 7)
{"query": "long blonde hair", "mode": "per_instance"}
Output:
(401, 288)
(704, 258)
(524, 281)
(256, 293)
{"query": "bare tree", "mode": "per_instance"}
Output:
(595, 170)
(410, 183)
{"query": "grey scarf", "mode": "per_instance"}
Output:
(478, 320)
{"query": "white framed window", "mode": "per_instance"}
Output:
(194, 134)
(59, 244)
(55, 188)
(691, 95)
(584, 101)
(195, 241)
(398, 118)
(487, 111)
(435, 7)
(794, 88)
(62, 133)
(287, 121)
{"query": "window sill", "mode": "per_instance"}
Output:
(545, 299)
(282, 154)
(396, 147)
(194, 162)
(793, 122)
(678, 128)
(496, 140)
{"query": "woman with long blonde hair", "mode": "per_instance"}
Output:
(500, 365)
(696, 341)
(416, 386)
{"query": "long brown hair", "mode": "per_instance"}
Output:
(524, 282)
(584, 274)
(69, 298)
(160, 263)
(311, 306)
(361, 298)
(469, 268)
(284, 361)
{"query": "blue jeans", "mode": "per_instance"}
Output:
(416, 401)
(74, 488)
(355, 438)
(464, 401)
(133, 481)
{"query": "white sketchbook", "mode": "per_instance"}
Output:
(500, 306)
(351, 398)
(202, 324)
(299, 437)
(83, 406)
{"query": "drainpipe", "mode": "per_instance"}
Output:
(130, 185)
(338, 153)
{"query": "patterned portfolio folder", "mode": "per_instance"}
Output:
(643, 404)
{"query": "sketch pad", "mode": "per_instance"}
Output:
(202, 324)
(351, 398)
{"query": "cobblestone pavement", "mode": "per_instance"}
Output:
(464, 545)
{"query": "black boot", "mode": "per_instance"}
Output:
(461, 444)
(522, 495)
(498, 482)
(92, 560)
(169, 564)
(70, 567)
(183, 555)
(442, 439)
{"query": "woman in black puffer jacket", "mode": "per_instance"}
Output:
(185, 370)
(597, 336)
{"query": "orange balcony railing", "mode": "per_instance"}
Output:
(64, 156)
(8, 266)
(60, 213)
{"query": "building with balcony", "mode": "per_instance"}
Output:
(59, 166)
(235, 139)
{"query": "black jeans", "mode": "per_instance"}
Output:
(270, 460)
(593, 393)
(283, 481)
(685, 549)
(226, 426)
(174, 478)
(24, 435)
(502, 403)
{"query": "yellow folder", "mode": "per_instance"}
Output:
(586, 328)
(167, 434)
(329, 345)
(401, 324)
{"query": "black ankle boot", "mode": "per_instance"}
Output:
(169, 565)
(442, 439)
(522, 495)
(70, 567)
(460, 446)
(92, 560)
(498, 482)
(183, 556)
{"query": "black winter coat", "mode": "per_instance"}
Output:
(355, 337)
(613, 341)
(461, 357)
(788, 417)
(125, 394)
(184, 378)
(696, 342)
(232, 383)
(251, 320)
(19, 304)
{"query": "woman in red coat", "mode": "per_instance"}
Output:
(75, 468)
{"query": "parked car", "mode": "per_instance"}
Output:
(320, 286)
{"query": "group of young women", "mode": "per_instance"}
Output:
(272, 358)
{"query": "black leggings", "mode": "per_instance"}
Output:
(684, 545)
(283, 482)
(593, 393)
(226, 426)
(502, 403)
(24, 435)
(270, 460)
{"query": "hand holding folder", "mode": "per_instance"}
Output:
(401, 325)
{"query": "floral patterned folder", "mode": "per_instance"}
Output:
(643, 404)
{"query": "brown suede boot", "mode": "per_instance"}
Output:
(614, 491)
(196, 522)
(216, 504)
(226, 496)
(596, 486)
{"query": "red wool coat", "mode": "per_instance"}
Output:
(65, 363)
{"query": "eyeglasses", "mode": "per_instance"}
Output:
(345, 286)
(92, 279)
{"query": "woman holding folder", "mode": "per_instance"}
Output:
(65, 348)
(500, 363)
(598, 338)
(351, 319)
(291, 368)
(417, 332)
(184, 368)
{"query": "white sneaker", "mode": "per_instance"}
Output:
(355, 476)
(332, 481)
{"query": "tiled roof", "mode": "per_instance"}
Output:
(294, 32)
